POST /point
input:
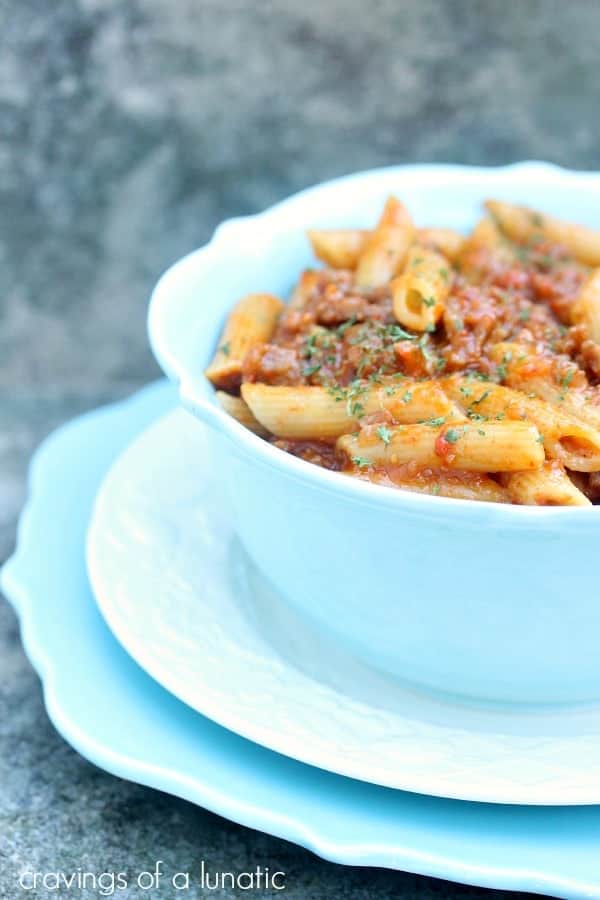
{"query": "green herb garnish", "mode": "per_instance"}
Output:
(568, 378)
(396, 333)
(385, 434)
(434, 422)
(452, 435)
(345, 325)
(501, 370)
(483, 397)
(310, 370)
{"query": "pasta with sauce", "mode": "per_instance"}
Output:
(425, 360)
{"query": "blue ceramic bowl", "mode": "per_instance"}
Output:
(474, 599)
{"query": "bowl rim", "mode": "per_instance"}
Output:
(197, 395)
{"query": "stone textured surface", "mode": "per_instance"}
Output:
(129, 129)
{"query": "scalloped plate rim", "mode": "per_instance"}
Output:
(16, 582)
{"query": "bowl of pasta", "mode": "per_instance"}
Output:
(400, 371)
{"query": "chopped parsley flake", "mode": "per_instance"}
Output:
(310, 370)
(483, 397)
(568, 378)
(310, 346)
(434, 422)
(475, 416)
(385, 434)
(407, 397)
(225, 348)
(396, 333)
(429, 301)
(353, 407)
(338, 393)
(345, 325)
(501, 370)
(525, 315)
(423, 347)
(361, 462)
(452, 435)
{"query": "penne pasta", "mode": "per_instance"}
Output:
(339, 248)
(521, 224)
(251, 322)
(564, 437)
(313, 412)
(495, 447)
(485, 241)
(547, 486)
(437, 482)
(307, 283)
(586, 309)
(419, 293)
(521, 372)
(386, 247)
(239, 409)
(445, 240)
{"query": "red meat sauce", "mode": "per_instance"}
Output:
(335, 334)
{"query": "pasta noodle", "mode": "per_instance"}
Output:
(547, 486)
(339, 249)
(239, 409)
(418, 294)
(521, 224)
(251, 322)
(385, 249)
(499, 447)
(586, 308)
(311, 412)
(525, 371)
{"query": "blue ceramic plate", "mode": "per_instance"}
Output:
(123, 721)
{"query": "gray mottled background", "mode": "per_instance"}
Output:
(128, 129)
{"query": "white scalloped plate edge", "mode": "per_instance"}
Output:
(157, 557)
(16, 583)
